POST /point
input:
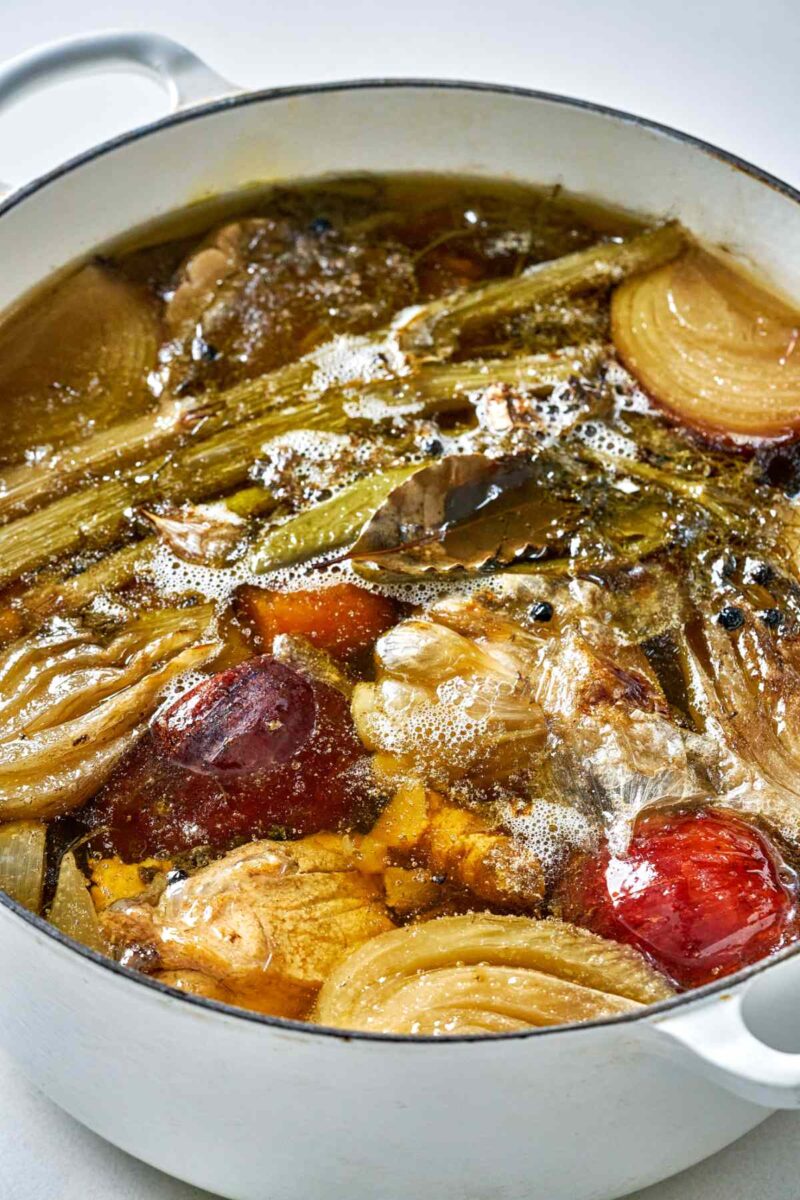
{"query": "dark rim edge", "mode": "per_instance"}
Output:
(238, 100)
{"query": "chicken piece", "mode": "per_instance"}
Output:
(273, 1002)
(410, 891)
(197, 984)
(615, 739)
(267, 922)
(261, 292)
(113, 880)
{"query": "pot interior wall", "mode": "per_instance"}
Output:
(396, 128)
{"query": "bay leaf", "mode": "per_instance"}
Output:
(468, 513)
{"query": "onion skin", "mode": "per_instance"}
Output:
(712, 346)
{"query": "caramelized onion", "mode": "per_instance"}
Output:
(711, 345)
(482, 973)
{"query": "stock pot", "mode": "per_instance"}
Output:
(255, 1108)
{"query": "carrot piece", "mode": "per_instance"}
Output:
(112, 879)
(342, 619)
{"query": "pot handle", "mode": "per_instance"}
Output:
(733, 1038)
(184, 77)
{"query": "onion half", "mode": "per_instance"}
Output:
(70, 707)
(482, 973)
(77, 363)
(712, 345)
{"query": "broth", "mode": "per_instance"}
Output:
(400, 606)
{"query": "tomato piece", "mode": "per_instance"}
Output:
(255, 747)
(700, 893)
(343, 619)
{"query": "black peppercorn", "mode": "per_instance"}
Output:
(542, 610)
(772, 617)
(433, 447)
(438, 878)
(780, 466)
(731, 617)
(320, 225)
(760, 573)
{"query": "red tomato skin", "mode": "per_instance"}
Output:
(701, 894)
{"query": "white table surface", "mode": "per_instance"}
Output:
(726, 70)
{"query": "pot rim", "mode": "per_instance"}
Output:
(242, 99)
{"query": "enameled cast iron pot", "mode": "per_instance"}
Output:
(261, 1109)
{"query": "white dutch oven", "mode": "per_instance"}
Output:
(261, 1109)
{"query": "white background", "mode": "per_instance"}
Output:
(727, 71)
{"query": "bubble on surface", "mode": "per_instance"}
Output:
(178, 687)
(510, 241)
(305, 463)
(408, 719)
(350, 359)
(172, 576)
(628, 396)
(599, 436)
(551, 831)
(376, 410)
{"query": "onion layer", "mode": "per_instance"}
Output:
(72, 910)
(482, 973)
(70, 707)
(713, 346)
(22, 862)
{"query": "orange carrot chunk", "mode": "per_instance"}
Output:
(342, 619)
